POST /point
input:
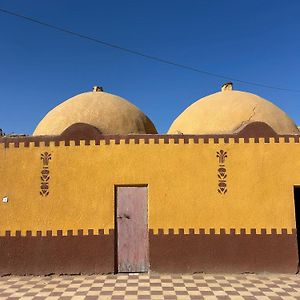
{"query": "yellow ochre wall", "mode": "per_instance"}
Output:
(182, 185)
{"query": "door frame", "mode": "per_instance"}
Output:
(296, 186)
(116, 221)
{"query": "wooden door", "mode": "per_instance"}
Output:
(132, 228)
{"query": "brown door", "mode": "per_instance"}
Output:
(132, 228)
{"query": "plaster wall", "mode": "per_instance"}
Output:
(182, 185)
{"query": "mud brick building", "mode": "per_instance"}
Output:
(95, 189)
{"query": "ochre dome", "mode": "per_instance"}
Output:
(228, 111)
(108, 113)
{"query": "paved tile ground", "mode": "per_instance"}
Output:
(151, 286)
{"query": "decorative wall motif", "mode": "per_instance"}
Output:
(222, 175)
(45, 174)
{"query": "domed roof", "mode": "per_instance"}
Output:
(108, 113)
(228, 111)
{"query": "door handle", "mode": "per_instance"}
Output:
(124, 216)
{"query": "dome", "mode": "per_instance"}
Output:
(107, 113)
(228, 111)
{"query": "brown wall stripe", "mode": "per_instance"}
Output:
(49, 233)
(157, 139)
(223, 231)
(169, 252)
(160, 231)
(41, 255)
(180, 253)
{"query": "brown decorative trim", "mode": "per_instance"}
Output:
(45, 174)
(230, 231)
(222, 175)
(39, 141)
(59, 232)
(41, 255)
(179, 253)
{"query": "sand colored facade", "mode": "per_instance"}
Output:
(187, 186)
(96, 190)
(184, 200)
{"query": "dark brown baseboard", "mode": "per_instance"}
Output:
(228, 253)
(41, 255)
(169, 252)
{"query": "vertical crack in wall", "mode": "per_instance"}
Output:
(248, 120)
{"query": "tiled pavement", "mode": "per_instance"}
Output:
(151, 286)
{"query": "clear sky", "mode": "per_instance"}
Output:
(250, 40)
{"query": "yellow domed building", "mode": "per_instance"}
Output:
(228, 111)
(106, 113)
(95, 189)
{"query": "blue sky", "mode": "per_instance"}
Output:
(250, 40)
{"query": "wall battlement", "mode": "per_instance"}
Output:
(57, 141)
(157, 231)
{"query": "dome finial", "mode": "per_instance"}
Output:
(228, 86)
(97, 88)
